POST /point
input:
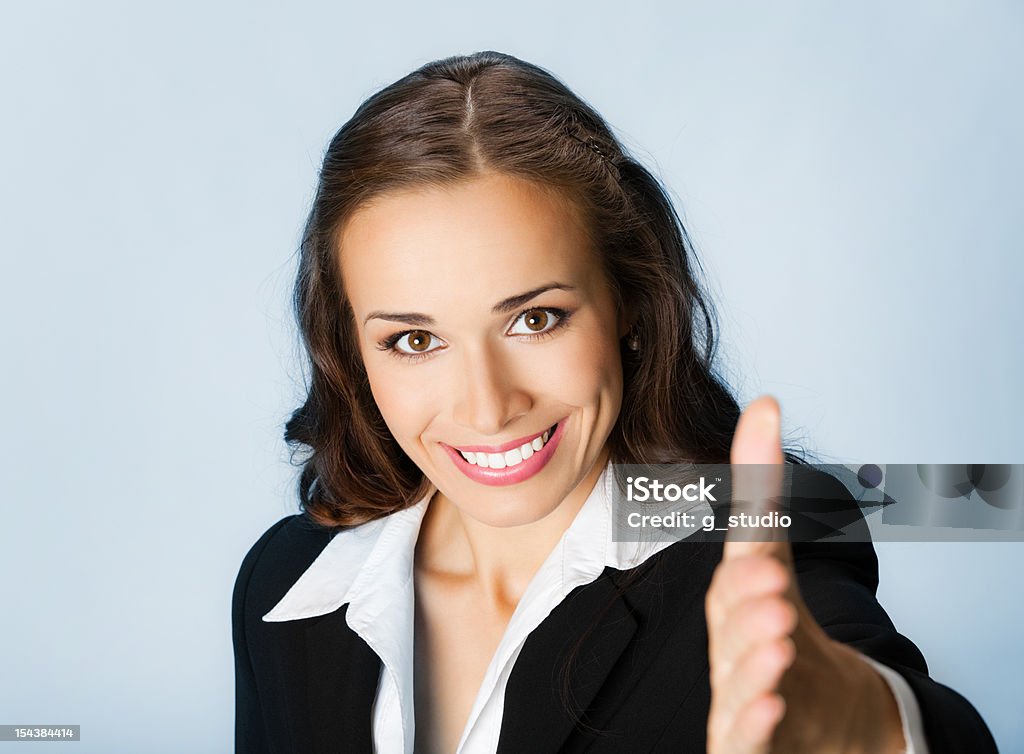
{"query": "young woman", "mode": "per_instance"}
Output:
(498, 303)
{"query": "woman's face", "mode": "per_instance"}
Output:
(491, 341)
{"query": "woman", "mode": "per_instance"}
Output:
(498, 303)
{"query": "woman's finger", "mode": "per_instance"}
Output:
(756, 460)
(737, 580)
(755, 725)
(751, 623)
(756, 674)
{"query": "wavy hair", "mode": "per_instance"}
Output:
(454, 119)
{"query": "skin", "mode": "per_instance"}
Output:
(424, 270)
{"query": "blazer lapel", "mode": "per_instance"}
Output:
(541, 685)
(659, 607)
(319, 680)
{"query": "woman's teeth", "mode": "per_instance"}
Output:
(512, 457)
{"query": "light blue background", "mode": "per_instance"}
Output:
(851, 176)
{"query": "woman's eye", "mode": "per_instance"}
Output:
(416, 342)
(534, 322)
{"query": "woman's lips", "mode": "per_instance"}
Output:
(510, 474)
(510, 445)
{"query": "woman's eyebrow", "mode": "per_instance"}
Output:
(514, 302)
(502, 307)
(405, 318)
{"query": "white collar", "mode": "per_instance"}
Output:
(370, 568)
(366, 564)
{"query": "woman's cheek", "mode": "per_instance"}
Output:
(402, 399)
(588, 367)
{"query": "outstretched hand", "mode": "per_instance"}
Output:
(778, 682)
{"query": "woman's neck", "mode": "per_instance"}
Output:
(500, 560)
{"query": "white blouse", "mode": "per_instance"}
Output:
(370, 568)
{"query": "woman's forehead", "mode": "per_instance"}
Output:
(494, 234)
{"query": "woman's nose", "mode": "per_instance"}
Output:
(488, 397)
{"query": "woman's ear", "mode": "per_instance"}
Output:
(626, 320)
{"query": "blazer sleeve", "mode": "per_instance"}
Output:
(250, 732)
(838, 581)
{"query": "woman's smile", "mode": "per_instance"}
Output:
(506, 454)
(507, 463)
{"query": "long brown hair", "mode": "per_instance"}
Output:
(450, 120)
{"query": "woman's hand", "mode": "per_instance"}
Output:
(778, 682)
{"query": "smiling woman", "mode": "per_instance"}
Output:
(498, 304)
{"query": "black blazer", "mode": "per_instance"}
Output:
(638, 676)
